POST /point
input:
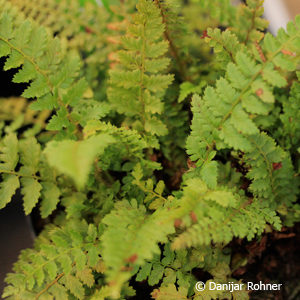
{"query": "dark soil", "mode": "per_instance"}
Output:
(274, 259)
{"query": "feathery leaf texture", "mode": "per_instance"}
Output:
(249, 24)
(80, 27)
(271, 171)
(60, 264)
(289, 133)
(218, 215)
(137, 87)
(131, 237)
(104, 160)
(225, 115)
(51, 74)
(26, 152)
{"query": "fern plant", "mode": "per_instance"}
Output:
(150, 135)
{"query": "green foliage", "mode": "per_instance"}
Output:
(79, 25)
(288, 132)
(52, 74)
(268, 163)
(219, 215)
(131, 237)
(63, 154)
(136, 87)
(60, 265)
(248, 23)
(149, 139)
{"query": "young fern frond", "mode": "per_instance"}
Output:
(131, 237)
(218, 215)
(225, 116)
(136, 87)
(225, 45)
(60, 264)
(249, 24)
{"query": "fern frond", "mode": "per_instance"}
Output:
(169, 292)
(220, 12)
(136, 87)
(51, 73)
(129, 145)
(131, 237)
(289, 133)
(225, 45)
(9, 158)
(226, 114)
(249, 24)
(153, 195)
(33, 176)
(131, 138)
(271, 171)
(124, 200)
(173, 267)
(82, 27)
(219, 215)
(174, 33)
(60, 264)
(28, 154)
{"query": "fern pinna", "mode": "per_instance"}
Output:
(148, 152)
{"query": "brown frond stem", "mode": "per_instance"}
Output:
(49, 285)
